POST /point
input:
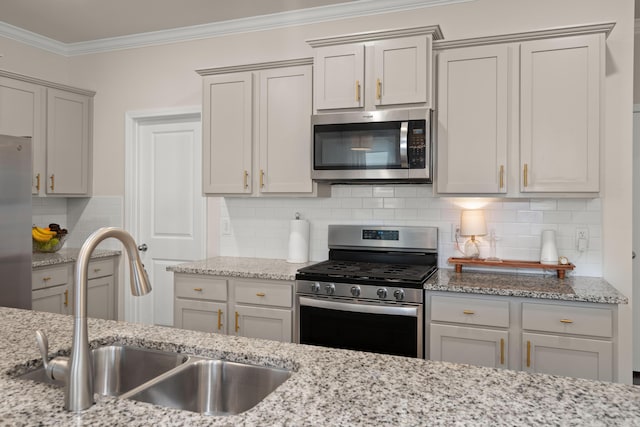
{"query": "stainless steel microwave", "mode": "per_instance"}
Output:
(372, 146)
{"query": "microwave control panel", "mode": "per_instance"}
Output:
(417, 144)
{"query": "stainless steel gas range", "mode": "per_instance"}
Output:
(369, 294)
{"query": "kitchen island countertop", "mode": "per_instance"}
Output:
(65, 255)
(329, 387)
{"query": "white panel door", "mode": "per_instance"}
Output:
(636, 238)
(472, 120)
(171, 207)
(285, 123)
(261, 322)
(339, 79)
(100, 298)
(560, 113)
(401, 70)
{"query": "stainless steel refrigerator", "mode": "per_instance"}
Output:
(15, 221)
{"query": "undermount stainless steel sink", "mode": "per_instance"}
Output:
(118, 368)
(192, 383)
(212, 387)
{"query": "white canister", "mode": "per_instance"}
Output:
(548, 250)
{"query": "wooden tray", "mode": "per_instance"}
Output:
(507, 263)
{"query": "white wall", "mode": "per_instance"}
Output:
(163, 77)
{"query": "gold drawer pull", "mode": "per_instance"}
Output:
(38, 182)
(566, 320)
(46, 279)
(66, 298)
(96, 270)
(528, 354)
(469, 312)
(358, 90)
(502, 351)
(378, 89)
(219, 319)
(53, 182)
(260, 294)
(237, 326)
(197, 289)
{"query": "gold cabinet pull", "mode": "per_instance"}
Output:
(46, 279)
(378, 89)
(261, 178)
(260, 294)
(358, 90)
(502, 351)
(53, 181)
(501, 176)
(66, 298)
(237, 325)
(468, 312)
(246, 179)
(197, 289)
(219, 319)
(38, 182)
(96, 270)
(566, 320)
(526, 175)
(528, 354)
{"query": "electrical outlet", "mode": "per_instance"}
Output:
(455, 232)
(582, 239)
(226, 227)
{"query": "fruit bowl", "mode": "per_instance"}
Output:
(53, 245)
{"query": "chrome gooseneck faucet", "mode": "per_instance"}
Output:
(78, 370)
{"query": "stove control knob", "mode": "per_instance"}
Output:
(355, 291)
(330, 289)
(315, 287)
(399, 294)
(382, 293)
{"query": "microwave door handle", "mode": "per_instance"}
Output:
(404, 130)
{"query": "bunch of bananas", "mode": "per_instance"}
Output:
(42, 235)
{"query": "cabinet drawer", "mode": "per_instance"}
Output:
(567, 319)
(50, 276)
(264, 293)
(203, 288)
(100, 269)
(470, 311)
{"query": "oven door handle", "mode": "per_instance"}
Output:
(389, 309)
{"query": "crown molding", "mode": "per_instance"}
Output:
(255, 67)
(259, 23)
(46, 83)
(434, 30)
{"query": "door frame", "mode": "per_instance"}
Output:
(635, 279)
(128, 305)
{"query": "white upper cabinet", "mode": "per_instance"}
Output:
(472, 120)
(401, 70)
(560, 107)
(257, 130)
(339, 79)
(227, 133)
(374, 70)
(521, 118)
(68, 146)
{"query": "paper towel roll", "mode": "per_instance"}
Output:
(298, 241)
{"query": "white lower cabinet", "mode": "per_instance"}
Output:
(252, 308)
(101, 289)
(574, 339)
(56, 299)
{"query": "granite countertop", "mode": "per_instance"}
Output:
(329, 387)
(258, 268)
(571, 288)
(66, 255)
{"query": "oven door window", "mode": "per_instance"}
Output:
(358, 146)
(377, 333)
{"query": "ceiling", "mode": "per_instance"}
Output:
(77, 21)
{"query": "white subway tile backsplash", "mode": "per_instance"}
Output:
(260, 226)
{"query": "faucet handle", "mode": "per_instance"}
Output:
(57, 368)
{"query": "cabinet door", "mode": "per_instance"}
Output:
(227, 133)
(560, 113)
(56, 299)
(68, 144)
(339, 79)
(472, 120)
(100, 298)
(475, 346)
(284, 137)
(401, 70)
(22, 113)
(572, 357)
(258, 322)
(204, 316)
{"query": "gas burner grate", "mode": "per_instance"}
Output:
(356, 270)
